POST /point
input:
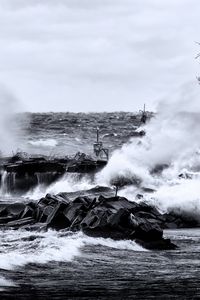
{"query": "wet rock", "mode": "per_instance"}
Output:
(29, 211)
(175, 220)
(112, 217)
(39, 227)
(21, 222)
(116, 203)
(148, 231)
(162, 244)
(91, 193)
(5, 220)
(12, 210)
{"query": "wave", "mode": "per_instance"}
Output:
(44, 143)
(22, 247)
(182, 197)
(70, 182)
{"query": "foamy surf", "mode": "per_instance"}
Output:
(23, 247)
(70, 182)
(20, 248)
(44, 143)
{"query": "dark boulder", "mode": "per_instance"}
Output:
(180, 219)
(21, 222)
(112, 217)
(116, 203)
(12, 210)
(162, 244)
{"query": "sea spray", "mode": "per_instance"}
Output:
(43, 143)
(172, 140)
(9, 131)
(70, 182)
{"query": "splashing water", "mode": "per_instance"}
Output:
(172, 140)
(22, 247)
(70, 182)
(44, 143)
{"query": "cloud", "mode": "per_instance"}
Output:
(97, 55)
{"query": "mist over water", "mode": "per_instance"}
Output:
(9, 128)
(172, 139)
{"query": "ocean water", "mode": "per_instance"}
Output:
(64, 265)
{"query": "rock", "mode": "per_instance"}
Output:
(5, 220)
(73, 210)
(179, 219)
(116, 203)
(50, 211)
(162, 244)
(91, 193)
(12, 210)
(21, 222)
(148, 231)
(144, 207)
(40, 227)
(112, 217)
(29, 211)
(96, 218)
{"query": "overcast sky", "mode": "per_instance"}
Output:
(97, 55)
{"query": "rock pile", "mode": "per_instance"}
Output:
(97, 216)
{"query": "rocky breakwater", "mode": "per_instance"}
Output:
(97, 216)
(22, 172)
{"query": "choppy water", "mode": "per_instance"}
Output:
(74, 266)
(60, 265)
(67, 133)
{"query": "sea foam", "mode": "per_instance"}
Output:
(44, 143)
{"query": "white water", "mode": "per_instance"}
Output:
(70, 182)
(44, 143)
(19, 248)
(173, 138)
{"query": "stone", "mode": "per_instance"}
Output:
(20, 222)
(161, 244)
(107, 217)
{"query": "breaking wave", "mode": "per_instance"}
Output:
(70, 182)
(44, 143)
(22, 247)
(167, 159)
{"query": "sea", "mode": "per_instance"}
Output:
(65, 265)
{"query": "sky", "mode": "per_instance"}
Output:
(97, 55)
